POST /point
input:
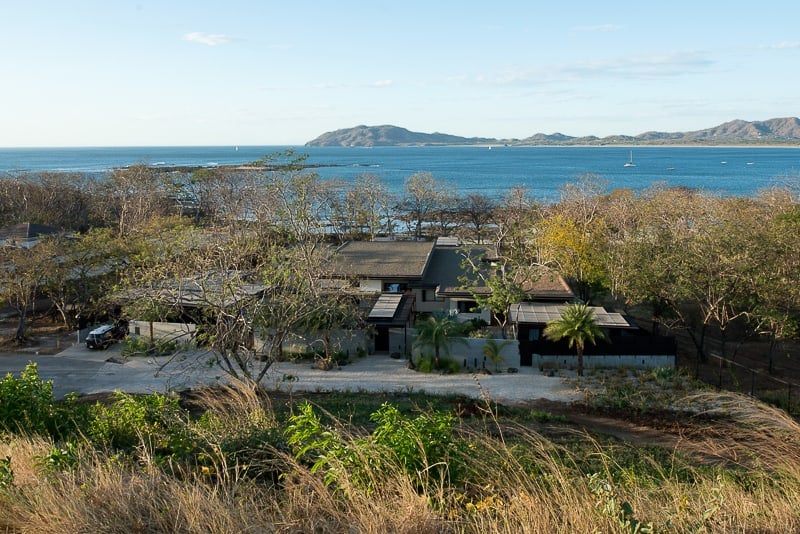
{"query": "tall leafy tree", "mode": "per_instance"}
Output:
(575, 250)
(132, 196)
(422, 198)
(775, 306)
(331, 313)
(85, 270)
(577, 325)
(476, 212)
(23, 275)
(494, 283)
(515, 221)
(675, 262)
(369, 198)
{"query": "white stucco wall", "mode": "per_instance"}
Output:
(347, 341)
(181, 332)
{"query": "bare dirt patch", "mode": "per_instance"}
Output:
(43, 335)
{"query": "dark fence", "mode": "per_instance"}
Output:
(619, 346)
(733, 376)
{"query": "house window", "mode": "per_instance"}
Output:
(533, 334)
(467, 306)
(393, 287)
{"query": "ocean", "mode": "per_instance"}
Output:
(724, 171)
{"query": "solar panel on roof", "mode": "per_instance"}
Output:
(534, 313)
(446, 241)
(385, 307)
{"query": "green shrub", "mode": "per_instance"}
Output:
(27, 404)
(780, 399)
(140, 346)
(482, 333)
(541, 416)
(474, 327)
(423, 447)
(664, 375)
(248, 444)
(425, 364)
(303, 356)
(6, 473)
(59, 459)
(314, 444)
(157, 420)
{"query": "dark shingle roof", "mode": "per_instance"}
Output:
(382, 259)
(549, 286)
(446, 269)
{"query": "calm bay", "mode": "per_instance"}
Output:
(732, 171)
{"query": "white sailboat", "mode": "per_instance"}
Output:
(630, 162)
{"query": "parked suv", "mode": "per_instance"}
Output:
(103, 336)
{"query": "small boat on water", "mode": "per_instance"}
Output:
(630, 162)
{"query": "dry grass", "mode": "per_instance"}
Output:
(522, 484)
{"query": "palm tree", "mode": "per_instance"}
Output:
(437, 331)
(577, 324)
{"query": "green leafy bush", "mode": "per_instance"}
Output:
(140, 346)
(157, 420)
(474, 327)
(6, 473)
(423, 447)
(246, 444)
(27, 404)
(59, 459)
(425, 364)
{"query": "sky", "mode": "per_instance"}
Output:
(182, 73)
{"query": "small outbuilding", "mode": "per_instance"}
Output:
(626, 345)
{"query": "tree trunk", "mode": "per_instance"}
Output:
(21, 325)
(580, 360)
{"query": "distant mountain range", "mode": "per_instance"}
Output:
(736, 132)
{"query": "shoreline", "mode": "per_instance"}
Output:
(296, 148)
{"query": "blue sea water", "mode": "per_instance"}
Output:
(734, 171)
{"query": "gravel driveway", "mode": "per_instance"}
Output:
(78, 369)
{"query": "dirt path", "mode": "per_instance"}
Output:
(683, 433)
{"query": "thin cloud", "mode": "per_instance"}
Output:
(597, 28)
(380, 83)
(377, 84)
(644, 67)
(784, 45)
(656, 66)
(210, 39)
